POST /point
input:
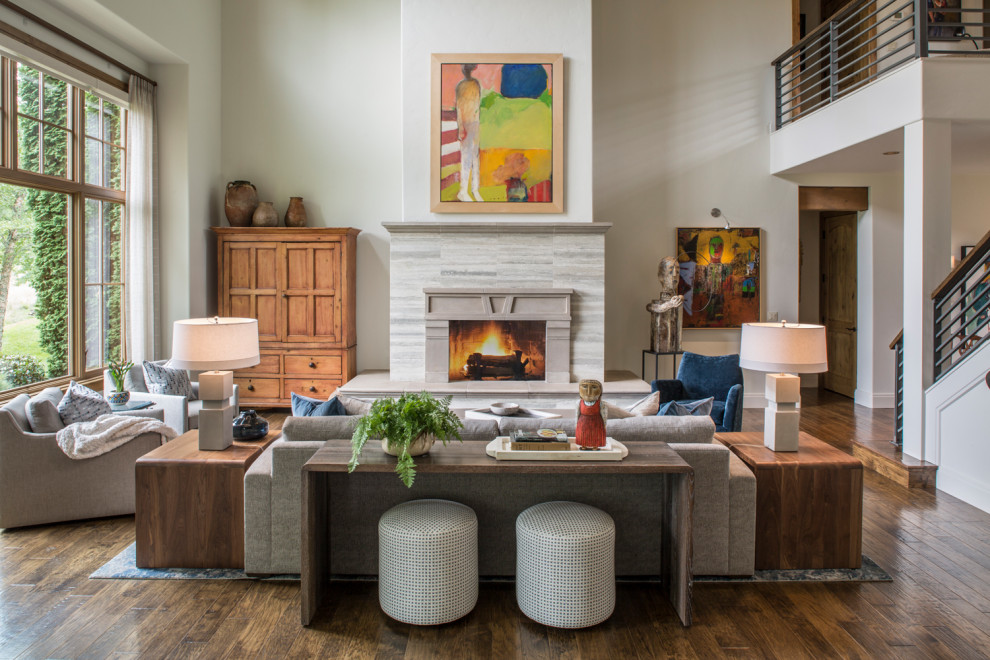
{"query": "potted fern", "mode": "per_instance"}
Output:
(408, 426)
(118, 370)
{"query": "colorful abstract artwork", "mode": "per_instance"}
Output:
(497, 126)
(719, 276)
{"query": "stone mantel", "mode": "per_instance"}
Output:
(497, 227)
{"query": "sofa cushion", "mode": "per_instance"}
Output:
(485, 430)
(134, 378)
(684, 408)
(81, 404)
(17, 409)
(319, 429)
(661, 429)
(42, 411)
(163, 379)
(304, 406)
(709, 375)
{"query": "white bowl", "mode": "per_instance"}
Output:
(504, 409)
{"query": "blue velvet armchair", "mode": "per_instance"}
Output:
(703, 376)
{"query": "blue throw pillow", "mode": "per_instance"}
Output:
(699, 408)
(303, 406)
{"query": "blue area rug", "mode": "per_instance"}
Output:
(123, 566)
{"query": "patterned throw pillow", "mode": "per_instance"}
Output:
(163, 379)
(699, 408)
(81, 404)
(303, 406)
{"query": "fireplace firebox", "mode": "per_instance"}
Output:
(497, 350)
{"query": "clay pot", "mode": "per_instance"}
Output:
(265, 215)
(419, 446)
(239, 203)
(295, 215)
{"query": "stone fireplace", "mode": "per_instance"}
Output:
(498, 334)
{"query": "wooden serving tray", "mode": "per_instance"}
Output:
(499, 448)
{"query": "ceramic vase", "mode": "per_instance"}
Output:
(240, 202)
(250, 426)
(295, 215)
(118, 398)
(419, 446)
(265, 215)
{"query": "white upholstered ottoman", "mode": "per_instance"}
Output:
(565, 564)
(428, 561)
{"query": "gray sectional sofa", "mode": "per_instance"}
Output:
(724, 488)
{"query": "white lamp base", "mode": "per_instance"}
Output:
(782, 417)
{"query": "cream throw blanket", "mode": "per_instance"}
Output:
(106, 433)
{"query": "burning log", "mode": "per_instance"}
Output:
(480, 366)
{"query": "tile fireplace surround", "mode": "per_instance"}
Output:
(527, 260)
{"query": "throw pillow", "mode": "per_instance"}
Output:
(648, 405)
(81, 404)
(303, 406)
(163, 379)
(353, 406)
(616, 412)
(42, 411)
(698, 408)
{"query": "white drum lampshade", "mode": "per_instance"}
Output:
(215, 346)
(782, 349)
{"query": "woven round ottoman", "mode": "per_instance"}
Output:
(565, 564)
(428, 561)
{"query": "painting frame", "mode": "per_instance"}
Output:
(745, 301)
(556, 78)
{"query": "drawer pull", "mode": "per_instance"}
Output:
(312, 365)
(250, 388)
(312, 389)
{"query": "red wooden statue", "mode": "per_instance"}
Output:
(590, 432)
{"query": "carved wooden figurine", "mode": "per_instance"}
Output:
(665, 311)
(590, 431)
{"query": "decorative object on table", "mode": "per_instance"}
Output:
(665, 311)
(591, 415)
(787, 349)
(239, 203)
(408, 426)
(265, 215)
(81, 404)
(118, 371)
(249, 425)
(501, 449)
(703, 376)
(719, 276)
(214, 346)
(522, 413)
(304, 406)
(540, 440)
(503, 409)
(133, 405)
(497, 133)
(295, 214)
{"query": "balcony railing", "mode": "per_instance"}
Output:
(898, 347)
(962, 308)
(863, 41)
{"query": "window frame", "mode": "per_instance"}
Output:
(78, 192)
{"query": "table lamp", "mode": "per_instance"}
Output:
(215, 346)
(783, 349)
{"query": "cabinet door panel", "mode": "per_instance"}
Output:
(251, 285)
(311, 312)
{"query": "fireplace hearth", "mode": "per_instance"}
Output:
(497, 350)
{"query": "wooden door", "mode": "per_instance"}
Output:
(251, 285)
(311, 306)
(838, 301)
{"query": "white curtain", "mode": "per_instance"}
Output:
(141, 284)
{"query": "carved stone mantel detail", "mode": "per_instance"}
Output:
(552, 305)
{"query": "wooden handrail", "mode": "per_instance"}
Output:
(897, 339)
(957, 274)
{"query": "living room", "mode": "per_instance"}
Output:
(667, 110)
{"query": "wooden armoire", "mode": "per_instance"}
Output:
(299, 284)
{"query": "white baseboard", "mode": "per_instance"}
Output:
(873, 399)
(754, 401)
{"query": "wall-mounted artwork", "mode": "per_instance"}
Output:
(719, 276)
(497, 128)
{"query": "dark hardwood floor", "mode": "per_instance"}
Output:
(938, 606)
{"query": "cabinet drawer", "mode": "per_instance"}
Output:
(311, 387)
(269, 365)
(318, 365)
(258, 388)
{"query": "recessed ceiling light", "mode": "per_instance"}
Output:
(891, 153)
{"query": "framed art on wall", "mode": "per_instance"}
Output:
(496, 131)
(720, 276)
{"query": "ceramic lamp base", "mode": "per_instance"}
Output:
(782, 417)
(216, 425)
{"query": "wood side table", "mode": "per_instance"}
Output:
(189, 504)
(809, 503)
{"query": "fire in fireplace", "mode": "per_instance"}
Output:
(498, 350)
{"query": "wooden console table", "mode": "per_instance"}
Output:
(189, 504)
(809, 503)
(458, 471)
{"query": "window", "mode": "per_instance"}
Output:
(61, 229)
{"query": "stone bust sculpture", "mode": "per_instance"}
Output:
(665, 311)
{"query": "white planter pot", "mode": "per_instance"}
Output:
(420, 446)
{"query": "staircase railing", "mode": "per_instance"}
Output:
(962, 308)
(898, 347)
(864, 40)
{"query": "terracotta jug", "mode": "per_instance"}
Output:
(265, 215)
(295, 215)
(239, 203)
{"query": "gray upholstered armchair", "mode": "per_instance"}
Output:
(180, 413)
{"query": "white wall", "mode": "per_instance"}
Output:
(311, 108)
(970, 209)
(509, 26)
(681, 126)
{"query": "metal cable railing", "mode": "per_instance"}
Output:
(863, 41)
